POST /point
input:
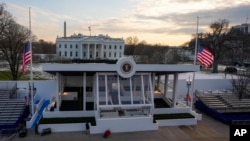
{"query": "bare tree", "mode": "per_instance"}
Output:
(241, 83)
(44, 47)
(217, 39)
(131, 40)
(12, 39)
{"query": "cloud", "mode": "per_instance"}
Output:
(161, 18)
(186, 22)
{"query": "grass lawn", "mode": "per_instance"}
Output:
(6, 75)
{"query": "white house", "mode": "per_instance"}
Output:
(90, 47)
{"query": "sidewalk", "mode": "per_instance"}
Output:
(207, 129)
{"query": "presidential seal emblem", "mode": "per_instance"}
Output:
(126, 67)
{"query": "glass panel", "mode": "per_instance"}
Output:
(136, 89)
(102, 90)
(113, 90)
(125, 91)
(147, 89)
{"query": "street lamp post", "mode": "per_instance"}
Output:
(189, 82)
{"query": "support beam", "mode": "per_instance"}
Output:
(102, 46)
(96, 91)
(158, 82)
(58, 96)
(94, 54)
(142, 89)
(119, 91)
(131, 90)
(151, 93)
(84, 92)
(88, 50)
(166, 85)
(153, 81)
(174, 96)
(106, 89)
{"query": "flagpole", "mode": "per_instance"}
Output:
(195, 57)
(31, 68)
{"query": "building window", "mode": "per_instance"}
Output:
(109, 46)
(59, 45)
(65, 46)
(115, 47)
(104, 54)
(90, 54)
(109, 54)
(114, 54)
(76, 54)
(120, 54)
(120, 47)
(96, 54)
(76, 46)
(71, 54)
(60, 53)
(84, 54)
(70, 45)
(97, 47)
(65, 53)
(104, 46)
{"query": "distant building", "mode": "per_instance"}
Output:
(243, 27)
(90, 47)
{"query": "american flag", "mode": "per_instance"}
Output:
(26, 57)
(205, 56)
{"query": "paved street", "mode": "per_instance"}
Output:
(206, 130)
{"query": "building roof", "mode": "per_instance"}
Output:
(75, 69)
(80, 37)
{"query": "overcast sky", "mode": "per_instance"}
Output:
(170, 22)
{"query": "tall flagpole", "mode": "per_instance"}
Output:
(195, 57)
(31, 68)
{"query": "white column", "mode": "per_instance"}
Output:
(174, 96)
(153, 81)
(142, 89)
(87, 52)
(80, 53)
(84, 91)
(102, 51)
(94, 52)
(131, 91)
(106, 88)
(166, 85)
(119, 93)
(158, 82)
(151, 93)
(58, 96)
(97, 91)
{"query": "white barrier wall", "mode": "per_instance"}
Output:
(44, 89)
(211, 82)
(204, 84)
(60, 114)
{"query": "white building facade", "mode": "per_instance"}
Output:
(245, 28)
(90, 47)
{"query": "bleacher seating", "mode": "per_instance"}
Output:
(225, 107)
(10, 110)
